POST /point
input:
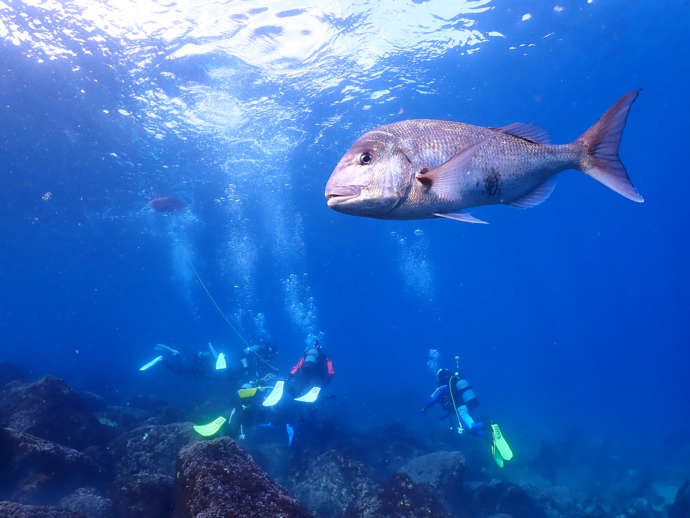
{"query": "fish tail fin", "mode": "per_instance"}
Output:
(599, 145)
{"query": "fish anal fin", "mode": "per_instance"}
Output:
(526, 131)
(446, 179)
(465, 217)
(536, 196)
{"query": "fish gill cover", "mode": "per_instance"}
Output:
(163, 170)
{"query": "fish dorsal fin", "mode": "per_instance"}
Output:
(530, 132)
(465, 217)
(536, 196)
(446, 179)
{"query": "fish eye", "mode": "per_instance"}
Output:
(365, 158)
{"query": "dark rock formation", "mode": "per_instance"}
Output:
(387, 457)
(484, 499)
(9, 372)
(151, 449)
(332, 483)
(218, 479)
(33, 470)
(681, 505)
(144, 494)
(400, 497)
(122, 417)
(441, 472)
(87, 501)
(48, 408)
(14, 510)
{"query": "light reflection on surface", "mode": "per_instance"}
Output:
(241, 45)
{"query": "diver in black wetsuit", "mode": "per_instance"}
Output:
(202, 364)
(455, 395)
(257, 362)
(315, 368)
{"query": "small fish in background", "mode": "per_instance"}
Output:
(166, 204)
(427, 168)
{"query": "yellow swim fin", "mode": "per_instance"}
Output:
(246, 393)
(500, 447)
(210, 429)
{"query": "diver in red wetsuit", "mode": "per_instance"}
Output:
(314, 369)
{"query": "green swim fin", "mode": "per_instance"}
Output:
(497, 456)
(211, 429)
(500, 445)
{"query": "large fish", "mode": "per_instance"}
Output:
(431, 168)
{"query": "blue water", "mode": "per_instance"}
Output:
(569, 315)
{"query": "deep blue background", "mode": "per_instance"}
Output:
(573, 313)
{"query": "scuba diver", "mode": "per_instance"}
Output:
(257, 403)
(308, 377)
(249, 416)
(257, 361)
(313, 370)
(199, 365)
(456, 396)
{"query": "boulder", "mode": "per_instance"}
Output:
(151, 449)
(441, 472)
(387, 456)
(48, 408)
(143, 494)
(681, 505)
(484, 499)
(217, 479)
(333, 482)
(15, 510)
(400, 497)
(87, 501)
(37, 471)
(124, 418)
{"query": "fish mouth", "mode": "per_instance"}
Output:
(341, 193)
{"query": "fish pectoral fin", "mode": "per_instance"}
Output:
(526, 131)
(460, 216)
(446, 179)
(536, 196)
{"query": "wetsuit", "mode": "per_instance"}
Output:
(461, 400)
(313, 369)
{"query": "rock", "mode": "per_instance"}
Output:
(14, 510)
(49, 409)
(151, 449)
(124, 418)
(91, 401)
(681, 505)
(9, 372)
(87, 501)
(148, 402)
(400, 497)
(441, 472)
(483, 499)
(387, 457)
(332, 483)
(217, 479)
(144, 494)
(37, 471)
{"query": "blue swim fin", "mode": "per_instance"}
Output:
(290, 433)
